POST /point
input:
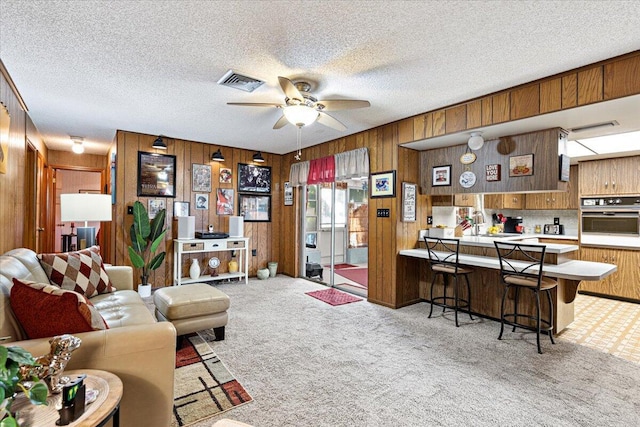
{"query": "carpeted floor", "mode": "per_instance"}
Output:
(308, 364)
(358, 275)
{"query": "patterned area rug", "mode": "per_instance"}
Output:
(333, 296)
(203, 386)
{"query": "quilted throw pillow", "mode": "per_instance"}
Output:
(81, 271)
(45, 310)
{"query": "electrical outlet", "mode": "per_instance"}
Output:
(130, 210)
(429, 220)
(382, 213)
(254, 252)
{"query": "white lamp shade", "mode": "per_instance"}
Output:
(85, 207)
(476, 141)
(300, 115)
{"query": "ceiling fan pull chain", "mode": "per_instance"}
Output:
(299, 142)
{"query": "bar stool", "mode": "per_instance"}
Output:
(521, 268)
(443, 261)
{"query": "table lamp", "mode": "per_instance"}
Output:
(78, 207)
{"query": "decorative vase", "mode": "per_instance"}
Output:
(194, 270)
(263, 273)
(273, 268)
(144, 291)
(233, 266)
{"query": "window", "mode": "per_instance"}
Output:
(326, 205)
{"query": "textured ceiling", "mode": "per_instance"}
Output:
(88, 68)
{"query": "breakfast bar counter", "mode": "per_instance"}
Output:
(486, 286)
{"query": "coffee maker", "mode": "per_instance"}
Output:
(513, 224)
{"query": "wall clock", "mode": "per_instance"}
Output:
(467, 179)
(214, 263)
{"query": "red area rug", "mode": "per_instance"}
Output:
(204, 387)
(333, 296)
(358, 275)
(341, 266)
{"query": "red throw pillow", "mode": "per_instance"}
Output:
(81, 271)
(45, 310)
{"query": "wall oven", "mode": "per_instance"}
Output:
(610, 221)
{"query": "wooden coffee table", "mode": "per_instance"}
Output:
(105, 407)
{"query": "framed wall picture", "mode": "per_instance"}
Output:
(155, 206)
(441, 176)
(224, 201)
(288, 194)
(156, 175)
(521, 165)
(254, 208)
(202, 201)
(254, 179)
(180, 208)
(225, 175)
(201, 178)
(409, 201)
(383, 184)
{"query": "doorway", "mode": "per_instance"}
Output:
(336, 235)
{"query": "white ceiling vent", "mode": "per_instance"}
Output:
(238, 81)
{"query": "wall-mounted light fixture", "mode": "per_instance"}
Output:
(159, 143)
(78, 145)
(476, 141)
(217, 156)
(258, 157)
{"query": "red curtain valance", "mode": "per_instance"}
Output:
(322, 170)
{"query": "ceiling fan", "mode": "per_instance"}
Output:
(300, 108)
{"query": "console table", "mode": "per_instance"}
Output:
(192, 246)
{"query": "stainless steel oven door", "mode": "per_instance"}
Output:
(619, 223)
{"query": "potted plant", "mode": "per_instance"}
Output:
(12, 382)
(146, 236)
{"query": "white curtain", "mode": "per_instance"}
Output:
(352, 164)
(299, 173)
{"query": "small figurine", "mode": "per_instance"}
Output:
(52, 365)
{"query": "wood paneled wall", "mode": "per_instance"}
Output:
(265, 237)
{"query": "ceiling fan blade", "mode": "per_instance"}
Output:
(340, 104)
(327, 120)
(256, 104)
(282, 122)
(290, 89)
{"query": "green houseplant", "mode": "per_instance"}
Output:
(146, 237)
(13, 382)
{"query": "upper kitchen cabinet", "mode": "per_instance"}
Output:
(559, 199)
(504, 201)
(464, 200)
(610, 177)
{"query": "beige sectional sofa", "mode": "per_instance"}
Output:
(137, 348)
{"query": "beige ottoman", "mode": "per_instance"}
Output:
(191, 308)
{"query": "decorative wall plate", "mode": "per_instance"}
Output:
(467, 179)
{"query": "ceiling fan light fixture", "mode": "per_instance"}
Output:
(78, 145)
(257, 157)
(217, 156)
(159, 143)
(300, 115)
(476, 141)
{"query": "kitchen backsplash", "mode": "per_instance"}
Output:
(531, 218)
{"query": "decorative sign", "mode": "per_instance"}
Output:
(409, 202)
(492, 172)
(467, 179)
(288, 194)
(521, 165)
(468, 158)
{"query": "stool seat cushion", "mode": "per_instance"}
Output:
(186, 301)
(531, 282)
(450, 269)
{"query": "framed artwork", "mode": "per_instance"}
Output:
(201, 177)
(156, 175)
(441, 176)
(224, 201)
(180, 208)
(492, 172)
(409, 201)
(254, 179)
(155, 206)
(383, 184)
(225, 175)
(254, 208)
(202, 201)
(288, 194)
(521, 165)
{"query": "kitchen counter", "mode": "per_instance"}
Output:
(552, 248)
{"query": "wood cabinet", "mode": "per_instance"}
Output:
(464, 200)
(559, 199)
(504, 201)
(610, 177)
(623, 283)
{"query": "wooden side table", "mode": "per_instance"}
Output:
(105, 407)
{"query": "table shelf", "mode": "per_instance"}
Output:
(195, 246)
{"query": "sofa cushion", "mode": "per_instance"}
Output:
(80, 271)
(123, 308)
(45, 310)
